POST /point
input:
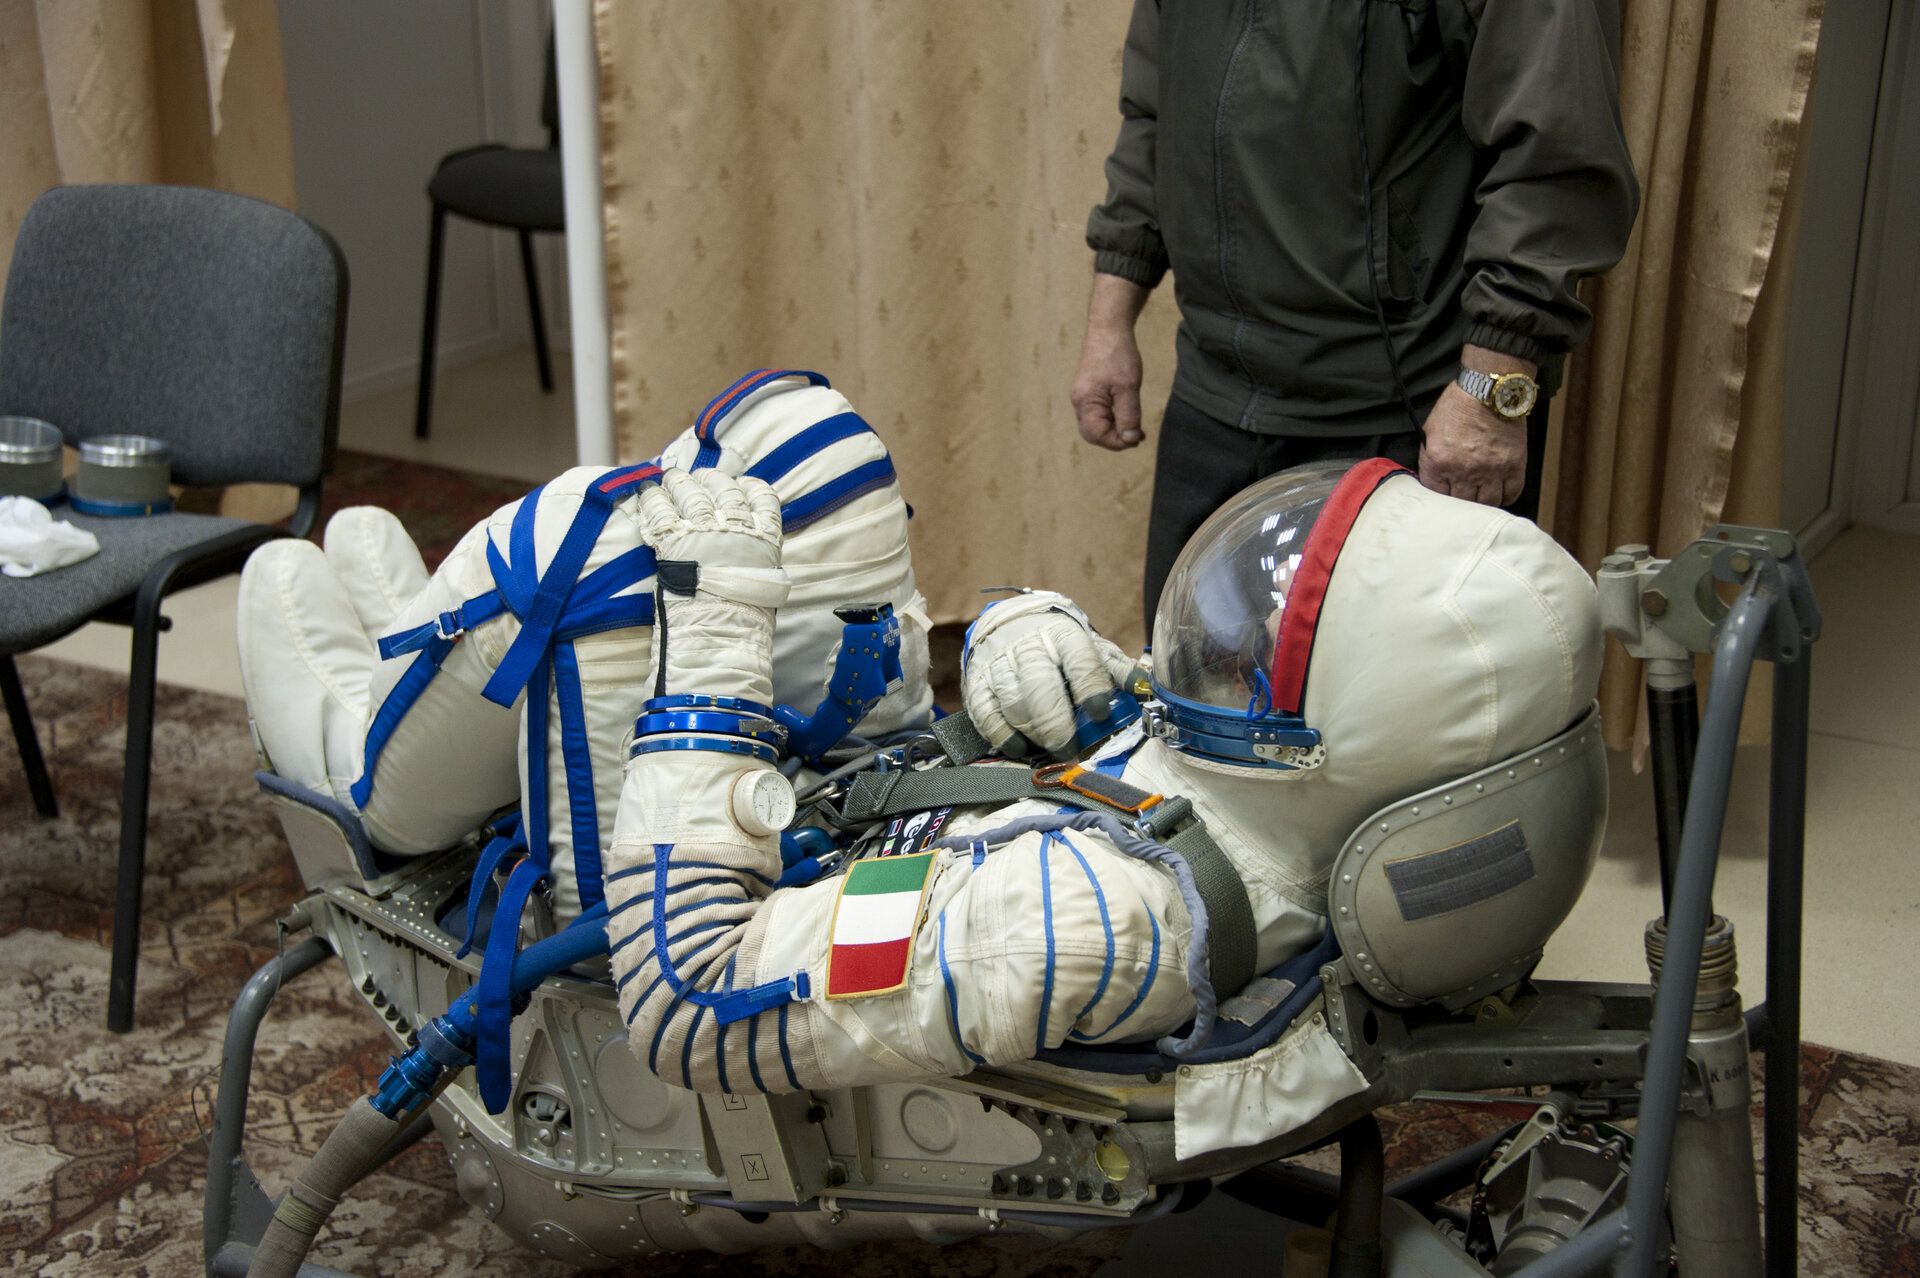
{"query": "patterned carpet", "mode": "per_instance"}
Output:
(102, 1157)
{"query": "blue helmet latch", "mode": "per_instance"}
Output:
(1257, 737)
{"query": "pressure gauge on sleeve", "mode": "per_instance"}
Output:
(763, 802)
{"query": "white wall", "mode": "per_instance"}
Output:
(378, 92)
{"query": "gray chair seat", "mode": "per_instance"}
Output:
(503, 186)
(38, 610)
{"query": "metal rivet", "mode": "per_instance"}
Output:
(1447, 799)
(1361, 957)
(1346, 878)
(1384, 827)
(1480, 787)
(1416, 811)
(1343, 909)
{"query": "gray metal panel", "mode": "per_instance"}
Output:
(1480, 913)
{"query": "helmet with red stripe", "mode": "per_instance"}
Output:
(1237, 618)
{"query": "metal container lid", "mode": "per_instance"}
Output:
(28, 441)
(125, 450)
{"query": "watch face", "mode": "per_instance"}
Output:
(1514, 395)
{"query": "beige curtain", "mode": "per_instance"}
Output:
(894, 195)
(1672, 412)
(186, 91)
(183, 91)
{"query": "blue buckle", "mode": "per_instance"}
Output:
(738, 1005)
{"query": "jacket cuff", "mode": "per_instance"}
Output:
(1142, 271)
(1510, 342)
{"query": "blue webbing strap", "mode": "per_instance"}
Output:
(496, 852)
(833, 494)
(574, 751)
(493, 996)
(815, 439)
(706, 427)
(535, 799)
(448, 625)
(538, 622)
(433, 641)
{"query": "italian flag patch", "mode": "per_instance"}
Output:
(873, 923)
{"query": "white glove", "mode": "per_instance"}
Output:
(717, 542)
(1029, 661)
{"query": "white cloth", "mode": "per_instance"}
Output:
(1452, 635)
(31, 542)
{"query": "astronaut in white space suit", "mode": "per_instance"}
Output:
(1329, 643)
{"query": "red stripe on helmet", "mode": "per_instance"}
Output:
(1294, 647)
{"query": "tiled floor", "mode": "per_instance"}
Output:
(1863, 883)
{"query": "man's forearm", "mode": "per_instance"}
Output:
(1115, 303)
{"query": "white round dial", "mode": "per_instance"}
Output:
(762, 802)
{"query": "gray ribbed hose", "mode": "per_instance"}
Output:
(358, 1144)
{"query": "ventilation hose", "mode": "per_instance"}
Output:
(363, 1140)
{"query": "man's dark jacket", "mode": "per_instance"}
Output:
(1500, 177)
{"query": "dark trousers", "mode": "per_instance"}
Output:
(1203, 461)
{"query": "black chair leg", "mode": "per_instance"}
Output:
(430, 323)
(133, 807)
(533, 310)
(38, 783)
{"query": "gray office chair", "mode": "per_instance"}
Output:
(518, 188)
(214, 322)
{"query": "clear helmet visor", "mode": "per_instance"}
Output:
(1220, 611)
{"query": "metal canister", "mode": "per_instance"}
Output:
(123, 475)
(29, 458)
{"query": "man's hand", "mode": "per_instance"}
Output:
(1106, 389)
(1470, 451)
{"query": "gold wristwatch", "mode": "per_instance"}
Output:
(1512, 395)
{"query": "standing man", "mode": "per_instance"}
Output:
(1376, 213)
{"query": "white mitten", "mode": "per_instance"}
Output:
(1029, 661)
(717, 542)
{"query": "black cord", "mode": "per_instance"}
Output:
(659, 635)
(1366, 198)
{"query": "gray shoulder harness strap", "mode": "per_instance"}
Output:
(959, 738)
(1231, 945)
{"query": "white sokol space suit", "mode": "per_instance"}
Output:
(1329, 643)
